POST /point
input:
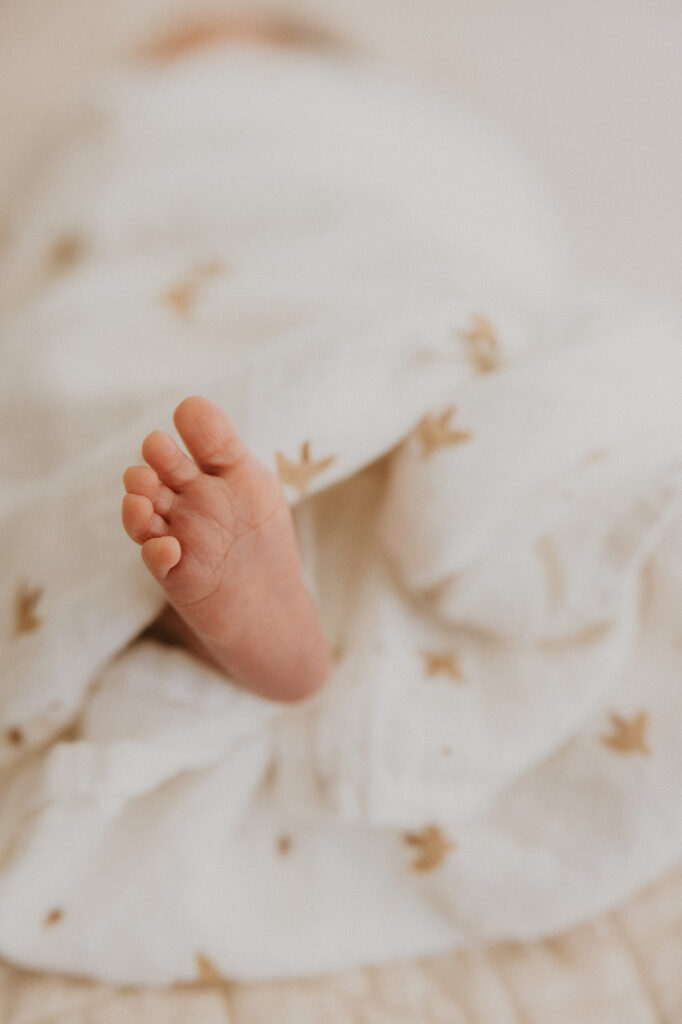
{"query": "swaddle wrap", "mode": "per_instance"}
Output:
(488, 486)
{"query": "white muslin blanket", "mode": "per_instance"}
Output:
(487, 480)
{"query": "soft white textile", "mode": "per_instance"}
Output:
(620, 969)
(353, 233)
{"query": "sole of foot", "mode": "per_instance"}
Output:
(216, 532)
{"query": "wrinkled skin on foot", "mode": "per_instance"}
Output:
(216, 532)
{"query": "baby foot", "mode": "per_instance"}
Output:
(217, 533)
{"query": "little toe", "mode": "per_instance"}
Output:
(209, 434)
(160, 555)
(164, 455)
(140, 521)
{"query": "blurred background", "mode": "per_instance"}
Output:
(591, 89)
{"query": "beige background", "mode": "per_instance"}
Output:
(591, 88)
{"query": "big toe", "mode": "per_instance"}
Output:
(209, 434)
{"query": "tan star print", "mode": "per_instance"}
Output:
(207, 972)
(432, 847)
(299, 474)
(483, 344)
(435, 432)
(66, 251)
(284, 844)
(628, 734)
(183, 295)
(442, 662)
(53, 916)
(25, 604)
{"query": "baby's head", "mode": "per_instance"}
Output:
(197, 33)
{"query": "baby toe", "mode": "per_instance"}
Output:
(145, 480)
(140, 521)
(175, 469)
(209, 434)
(142, 480)
(160, 555)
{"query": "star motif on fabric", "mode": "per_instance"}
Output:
(628, 734)
(432, 847)
(66, 251)
(25, 604)
(435, 431)
(484, 345)
(442, 662)
(207, 972)
(187, 38)
(53, 916)
(284, 845)
(183, 295)
(15, 736)
(299, 474)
